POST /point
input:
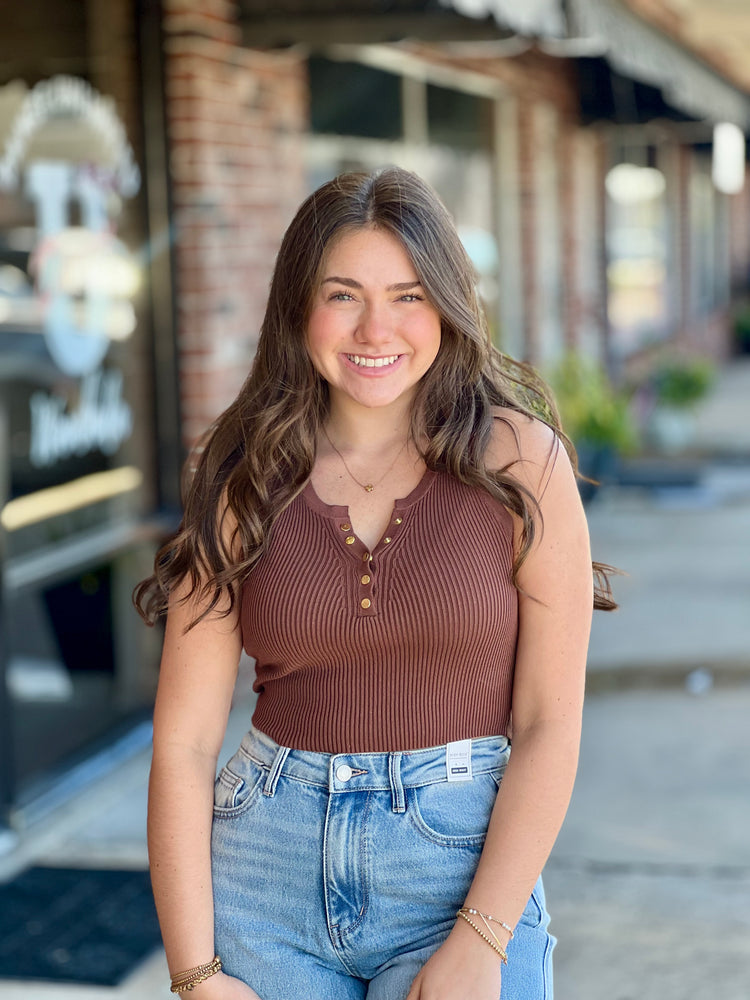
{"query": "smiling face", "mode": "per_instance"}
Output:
(371, 334)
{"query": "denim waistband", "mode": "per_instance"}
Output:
(351, 772)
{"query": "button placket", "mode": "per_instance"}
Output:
(363, 568)
(366, 586)
(348, 540)
(382, 560)
(367, 589)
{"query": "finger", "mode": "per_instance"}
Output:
(415, 992)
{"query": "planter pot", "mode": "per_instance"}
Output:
(672, 429)
(598, 462)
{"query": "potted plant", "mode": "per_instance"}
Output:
(677, 385)
(595, 415)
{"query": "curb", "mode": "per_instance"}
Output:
(697, 677)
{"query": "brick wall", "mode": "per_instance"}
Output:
(528, 214)
(236, 122)
(583, 170)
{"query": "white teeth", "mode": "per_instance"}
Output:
(372, 362)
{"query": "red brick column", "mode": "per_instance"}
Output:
(599, 253)
(569, 236)
(236, 120)
(528, 203)
(684, 165)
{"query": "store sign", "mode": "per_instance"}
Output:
(102, 419)
(85, 277)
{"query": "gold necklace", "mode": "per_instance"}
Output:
(367, 487)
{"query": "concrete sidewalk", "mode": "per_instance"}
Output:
(649, 882)
(104, 826)
(685, 595)
(722, 419)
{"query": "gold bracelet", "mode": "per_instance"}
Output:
(493, 944)
(486, 916)
(185, 982)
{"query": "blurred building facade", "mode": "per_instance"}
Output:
(151, 155)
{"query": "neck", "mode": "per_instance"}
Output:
(367, 428)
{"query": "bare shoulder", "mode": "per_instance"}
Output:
(526, 447)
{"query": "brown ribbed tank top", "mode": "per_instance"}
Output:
(409, 645)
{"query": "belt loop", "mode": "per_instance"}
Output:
(397, 789)
(275, 773)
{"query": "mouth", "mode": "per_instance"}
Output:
(364, 362)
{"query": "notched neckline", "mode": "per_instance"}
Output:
(313, 501)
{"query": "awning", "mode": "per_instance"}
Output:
(539, 18)
(635, 49)
(608, 28)
(316, 22)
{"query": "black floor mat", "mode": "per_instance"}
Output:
(76, 925)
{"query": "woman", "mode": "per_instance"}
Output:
(385, 523)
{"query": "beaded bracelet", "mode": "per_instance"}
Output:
(494, 941)
(185, 982)
(486, 916)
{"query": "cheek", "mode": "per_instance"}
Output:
(314, 336)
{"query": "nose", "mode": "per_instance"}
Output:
(375, 327)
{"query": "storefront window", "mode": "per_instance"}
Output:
(637, 249)
(709, 267)
(458, 120)
(76, 425)
(347, 98)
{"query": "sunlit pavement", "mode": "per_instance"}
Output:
(649, 883)
(686, 590)
(104, 826)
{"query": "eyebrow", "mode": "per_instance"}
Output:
(400, 286)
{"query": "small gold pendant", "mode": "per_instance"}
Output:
(369, 488)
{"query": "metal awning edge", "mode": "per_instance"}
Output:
(539, 18)
(636, 49)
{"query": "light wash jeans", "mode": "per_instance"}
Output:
(337, 876)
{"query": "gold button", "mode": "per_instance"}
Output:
(345, 527)
(366, 557)
(365, 579)
(386, 539)
(365, 602)
(350, 539)
(398, 520)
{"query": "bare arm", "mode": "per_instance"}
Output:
(198, 673)
(554, 621)
(555, 608)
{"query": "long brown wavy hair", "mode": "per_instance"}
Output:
(259, 453)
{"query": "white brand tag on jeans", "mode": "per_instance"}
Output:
(458, 760)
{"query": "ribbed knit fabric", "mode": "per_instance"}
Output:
(428, 660)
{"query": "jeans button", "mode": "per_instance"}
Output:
(344, 772)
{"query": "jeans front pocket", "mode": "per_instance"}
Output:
(535, 911)
(237, 787)
(454, 813)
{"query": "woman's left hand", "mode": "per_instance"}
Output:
(463, 968)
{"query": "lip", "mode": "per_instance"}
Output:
(371, 372)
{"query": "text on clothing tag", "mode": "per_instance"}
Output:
(458, 760)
